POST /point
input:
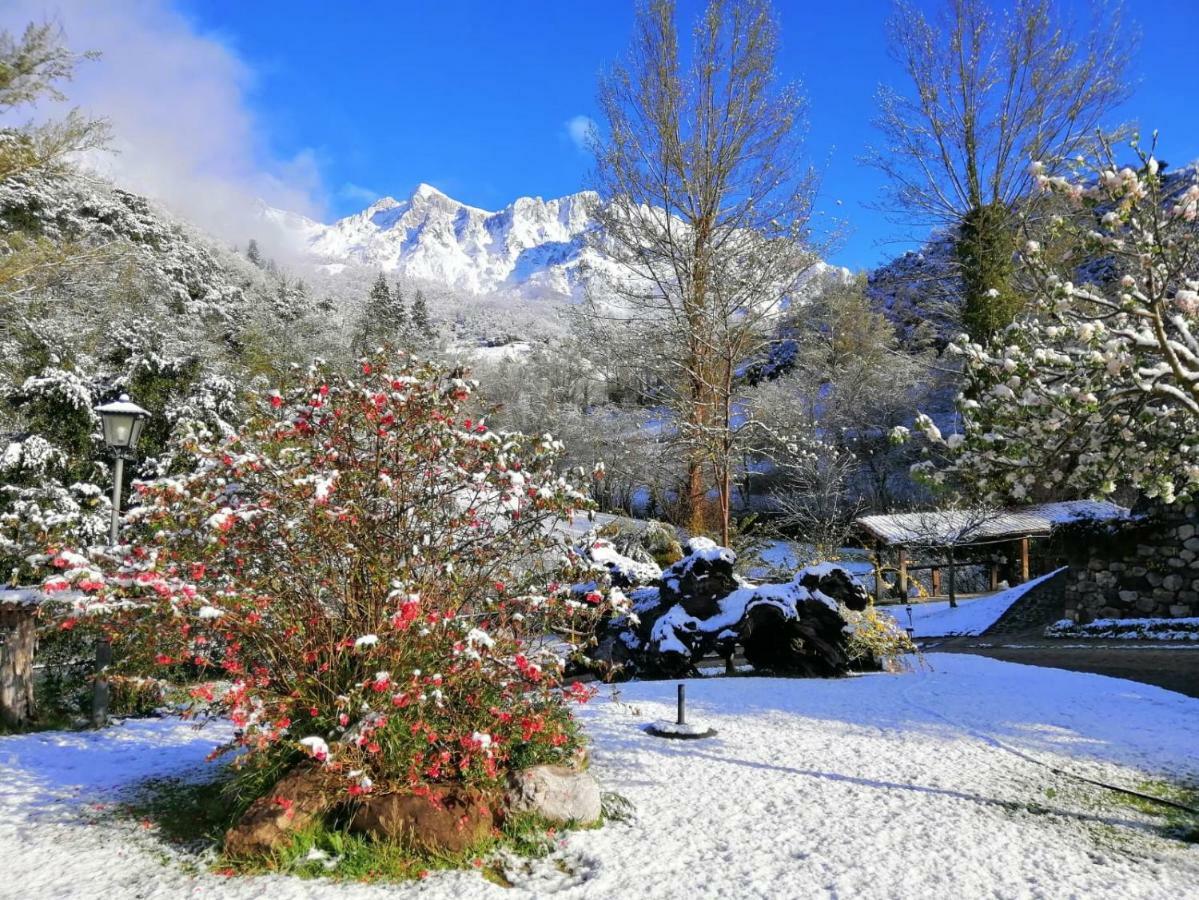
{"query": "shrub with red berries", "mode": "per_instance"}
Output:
(362, 576)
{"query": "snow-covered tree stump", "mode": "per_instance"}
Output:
(699, 606)
(18, 639)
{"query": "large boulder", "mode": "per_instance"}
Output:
(297, 800)
(555, 793)
(446, 819)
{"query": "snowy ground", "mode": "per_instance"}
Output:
(936, 618)
(917, 785)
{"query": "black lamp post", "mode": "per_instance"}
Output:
(123, 422)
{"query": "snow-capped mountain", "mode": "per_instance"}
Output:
(533, 247)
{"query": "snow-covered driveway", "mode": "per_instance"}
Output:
(877, 786)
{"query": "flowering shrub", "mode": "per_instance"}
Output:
(1097, 387)
(362, 575)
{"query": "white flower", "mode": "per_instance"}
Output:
(367, 640)
(316, 747)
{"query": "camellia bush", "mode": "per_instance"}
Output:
(361, 576)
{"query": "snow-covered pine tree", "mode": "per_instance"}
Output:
(422, 325)
(399, 310)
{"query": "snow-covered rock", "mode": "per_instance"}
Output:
(555, 793)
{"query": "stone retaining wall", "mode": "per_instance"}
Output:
(1146, 569)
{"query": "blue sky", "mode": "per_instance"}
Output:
(474, 96)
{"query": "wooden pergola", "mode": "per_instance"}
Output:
(951, 530)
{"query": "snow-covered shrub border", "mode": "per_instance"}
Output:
(1185, 629)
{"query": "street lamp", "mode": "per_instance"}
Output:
(123, 422)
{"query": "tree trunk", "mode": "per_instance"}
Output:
(18, 639)
(953, 580)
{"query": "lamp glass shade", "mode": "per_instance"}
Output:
(123, 422)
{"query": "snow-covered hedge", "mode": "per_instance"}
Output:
(1184, 629)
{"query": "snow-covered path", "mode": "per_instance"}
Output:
(877, 786)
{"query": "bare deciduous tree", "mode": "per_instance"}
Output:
(704, 210)
(988, 94)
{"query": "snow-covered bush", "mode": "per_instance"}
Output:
(1097, 387)
(365, 567)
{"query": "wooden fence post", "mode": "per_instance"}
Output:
(18, 639)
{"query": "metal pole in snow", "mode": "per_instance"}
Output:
(100, 689)
(114, 532)
(682, 704)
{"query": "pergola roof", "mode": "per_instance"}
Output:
(951, 526)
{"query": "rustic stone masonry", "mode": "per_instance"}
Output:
(1145, 568)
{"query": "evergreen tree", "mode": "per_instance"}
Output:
(421, 324)
(399, 312)
(253, 254)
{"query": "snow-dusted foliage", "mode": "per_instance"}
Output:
(1098, 387)
(369, 567)
(122, 299)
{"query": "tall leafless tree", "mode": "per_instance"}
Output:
(705, 209)
(988, 93)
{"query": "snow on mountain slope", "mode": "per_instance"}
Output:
(532, 246)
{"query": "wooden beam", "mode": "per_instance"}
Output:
(1023, 559)
(903, 572)
(936, 573)
(878, 571)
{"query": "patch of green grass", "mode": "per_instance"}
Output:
(1172, 822)
(194, 816)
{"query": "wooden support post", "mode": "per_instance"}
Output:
(994, 576)
(936, 576)
(1023, 560)
(100, 688)
(18, 638)
(878, 571)
(903, 572)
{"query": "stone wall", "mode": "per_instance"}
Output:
(1149, 568)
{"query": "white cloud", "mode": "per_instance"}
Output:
(357, 193)
(183, 130)
(580, 130)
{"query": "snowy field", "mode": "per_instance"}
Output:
(920, 785)
(936, 618)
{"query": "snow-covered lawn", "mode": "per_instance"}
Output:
(917, 785)
(936, 618)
